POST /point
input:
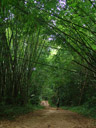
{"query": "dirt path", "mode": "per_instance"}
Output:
(50, 118)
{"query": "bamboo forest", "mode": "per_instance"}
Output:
(48, 64)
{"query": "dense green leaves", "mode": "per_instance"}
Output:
(47, 50)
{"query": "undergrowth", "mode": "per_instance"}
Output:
(83, 110)
(11, 112)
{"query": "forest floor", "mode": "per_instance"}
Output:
(50, 118)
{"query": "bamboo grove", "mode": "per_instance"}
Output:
(18, 52)
(28, 30)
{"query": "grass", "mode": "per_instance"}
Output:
(11, 112)
(83, 110)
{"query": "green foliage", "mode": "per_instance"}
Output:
(83, 110)
(57, 41)
(11, 112)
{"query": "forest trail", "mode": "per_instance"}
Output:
(50, 118)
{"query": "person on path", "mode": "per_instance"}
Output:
(58, 103)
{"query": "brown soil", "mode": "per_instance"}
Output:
(50, 118)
